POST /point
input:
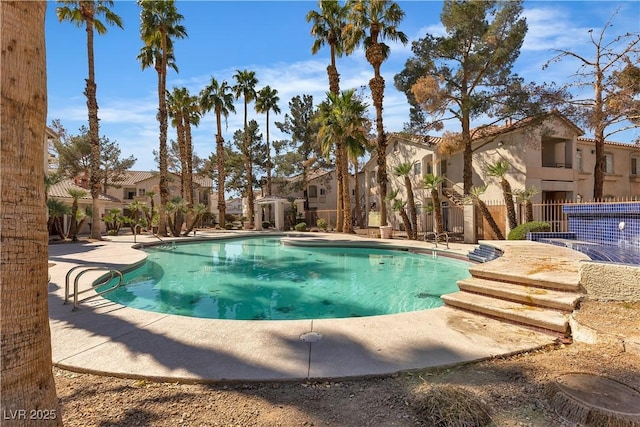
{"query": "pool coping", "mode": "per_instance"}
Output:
(109, 339)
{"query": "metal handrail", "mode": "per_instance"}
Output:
(93, 286)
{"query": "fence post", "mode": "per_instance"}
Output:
(469, 217)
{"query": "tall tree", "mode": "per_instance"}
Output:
(219, 98)
(370, 23)
(74, 157)
(303, 149)
(266, 101)
(327, 25)
(611, 103)
(343, 122)
(253, 153)
(466, 73)
(159, 25)
(27, 378)
(83, 12)
(184, 111)
(245, 87)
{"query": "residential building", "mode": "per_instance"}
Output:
(547, 152)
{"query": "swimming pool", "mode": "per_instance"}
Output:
(262, 279)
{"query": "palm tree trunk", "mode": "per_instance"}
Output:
(510, 205)
(358, 208)
(268, 159)
(221, 172)
(162, 149)
(27, 379)
(492, 223)
(437, 212)
(377, 94)
(340, 183)
(411, 205)
(94, 135)
(346, 192)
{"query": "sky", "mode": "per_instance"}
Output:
(273, 39)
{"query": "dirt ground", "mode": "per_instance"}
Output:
(511, 387)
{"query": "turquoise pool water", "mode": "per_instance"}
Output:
(260, 278)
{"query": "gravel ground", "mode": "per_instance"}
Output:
(512, 388)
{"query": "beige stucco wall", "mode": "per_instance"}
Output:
(610, 282)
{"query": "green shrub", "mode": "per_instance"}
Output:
(301, 226)
(228, 226)
(266, 224)
(322, 223)
(520, 232)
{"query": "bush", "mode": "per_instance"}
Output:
(301, 226)
(228, 226)
(322, 223)
(266, 224)
(520, 232)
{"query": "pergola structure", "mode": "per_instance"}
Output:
(279, 206)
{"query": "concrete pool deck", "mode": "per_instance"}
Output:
(107, 338)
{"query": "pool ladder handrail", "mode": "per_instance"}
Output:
(96, 284)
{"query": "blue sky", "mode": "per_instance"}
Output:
(272, 38)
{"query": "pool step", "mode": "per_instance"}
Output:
(541, 297)
(529, 315)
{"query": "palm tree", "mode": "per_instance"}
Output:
(159, 25)
(399, 205)
(267, 100)
(86, 13)
(342, 123)
(56, 210)
(354, 151)
(370, 22)
(184, 111)
(245, 87)
(524, 196)
(219, 97)
(499, 170)
(27, 377)
(474, 196)
(76, 194)
(432, 184)
(404, 170)
(327, 26)
(152, 207)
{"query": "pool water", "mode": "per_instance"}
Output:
(260, 278)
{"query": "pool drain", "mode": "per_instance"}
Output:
(311, 337)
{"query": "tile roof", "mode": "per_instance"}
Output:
(60, 191)
(134, 177)
(618, 144)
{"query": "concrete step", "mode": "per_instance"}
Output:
(538, 317)
(559, 300)
(500, 270)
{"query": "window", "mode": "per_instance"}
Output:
(313, 192)
(417, 168)
(129, 193)
(395, 146)
(579, 159)
(634, 166)
(608, 163)
(323, 192)
(141, 192)
(372, 179)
